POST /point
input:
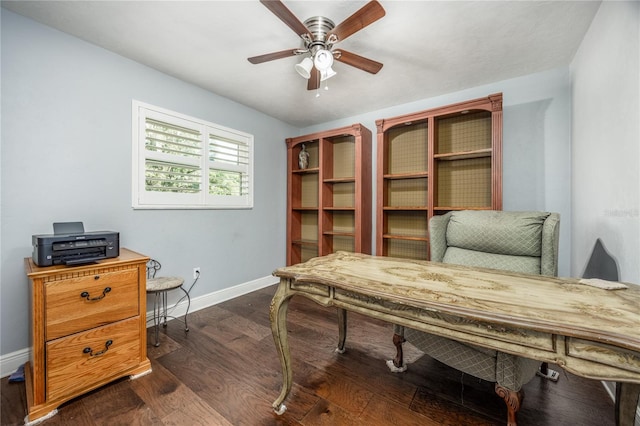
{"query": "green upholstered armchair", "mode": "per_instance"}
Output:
(523, 242)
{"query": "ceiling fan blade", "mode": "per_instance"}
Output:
(272, 56)
(358, 61)
(366, 15)
(314, 80)
(285, 15)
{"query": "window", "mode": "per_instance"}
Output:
(184, 163)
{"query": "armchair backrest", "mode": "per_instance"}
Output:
(525, 242)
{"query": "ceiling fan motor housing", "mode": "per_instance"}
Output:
(319, 27)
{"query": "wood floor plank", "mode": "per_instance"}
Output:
(13, 402)
(347, 394)
(71, 413)
(325, 413)
(163, 392)
(448, 411)
(382, 411)
(196, 413)
(119, 404)
(237, 397)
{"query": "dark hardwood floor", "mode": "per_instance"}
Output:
(225, 371)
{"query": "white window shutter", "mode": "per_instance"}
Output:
(181, 162)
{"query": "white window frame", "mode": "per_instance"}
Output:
(202, 199)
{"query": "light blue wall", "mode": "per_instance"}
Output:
(606, 139)
(536, 143)
(66, 156)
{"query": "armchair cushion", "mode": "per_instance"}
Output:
(510, 233)
(521, 264)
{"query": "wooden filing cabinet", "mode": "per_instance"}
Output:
(88, 327)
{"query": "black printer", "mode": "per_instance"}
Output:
(70, 245)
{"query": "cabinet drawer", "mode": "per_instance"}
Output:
(80, 303)
(71, 367)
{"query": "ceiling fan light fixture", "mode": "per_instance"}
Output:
(323, 60)
(304, 68)
(327, 74)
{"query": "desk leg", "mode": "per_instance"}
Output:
(278, 318)
(626, 403)
(397, 364)
(342, 330)
(398, 340)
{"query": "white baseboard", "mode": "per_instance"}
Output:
(10, 362)
(216, 297)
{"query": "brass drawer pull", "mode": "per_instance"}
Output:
(89, 351)
(85, 294)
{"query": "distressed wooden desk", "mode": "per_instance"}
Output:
(588, 331)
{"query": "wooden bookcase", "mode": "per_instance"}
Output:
(434, 161)
(329, 201)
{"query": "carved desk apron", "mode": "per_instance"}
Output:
(588, 331)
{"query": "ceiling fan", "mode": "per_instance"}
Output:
(319, 35)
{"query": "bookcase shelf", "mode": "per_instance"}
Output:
(407, 208)
(306, 171)
(480, 153)
(305, 243)
(417, 175)
(404, 237)
(340, 180)
(329, 201)
(341, 234)
(434, 161)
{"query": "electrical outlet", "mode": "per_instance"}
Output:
(196, 272)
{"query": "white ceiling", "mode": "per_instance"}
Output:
(428, 48)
